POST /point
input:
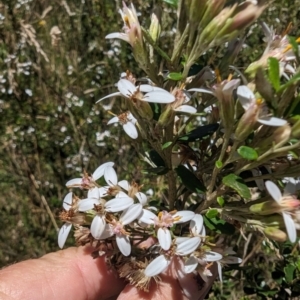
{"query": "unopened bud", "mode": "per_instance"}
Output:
(166, 117)
(246, 123)
(155, 27)
(265, 208)
(275, 234)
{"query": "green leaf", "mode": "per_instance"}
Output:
(221, 201)
(199, 132)
(190, 180)
(295, 47)
(175, 76)
(172, 2)
(274, 73)
(247, 153)
(156, 158)
(294, 79)
(166, 145)
(237, 183)
(212, 213)
(289, 272)
(219, 164)
(218, 225)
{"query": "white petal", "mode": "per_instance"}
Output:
(123, 243)
(131, 213)
(186, 215)
(220, 271)
(131, 130)
(272, 121)
(188, 246)
(109, 96)
(181, 239)
(124, 184)
(186, 109)
(201, 91)
(232, 260)
(147, 217)
(107, 232)
(99, 172)
(118, 35)
(190, 264)
(102, 191)
(164, 238)
(113, 120)
(245, 96)
(68, 201)
(121, 194)
(63, 234)
(290, 227)
(196, 224)
(87, 204)
(98, 226)
(94, 193)
(74, 182)
(212, 256)
(126, 87)
(110, 176)
(274, 191)
(159, 97)
(118, 204)
(146, 88)
(142, 198)
(157, 266)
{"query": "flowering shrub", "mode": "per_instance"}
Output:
(225, 149)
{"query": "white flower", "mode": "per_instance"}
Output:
(249, 102)
(117, 227)
(181, 98)
(88, 182)
(132, 27)
(287, 203)
(102, 207)
(127, 120)
(163, 221)
(136, 93)
(133, 191)
(160, 263)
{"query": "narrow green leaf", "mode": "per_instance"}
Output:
(190, 180)
(237, 183)
(247, 153)
(274, 73)
(294, 79)
(175, 76)
(295, 47)
(166, 145)
(221, 201)
(212, 213)
(172, 2)
(219, 225)
(289, 272)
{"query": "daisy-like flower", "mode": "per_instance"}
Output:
(117, 227)
(89, 182)
(286, 204)
(181, 248)
(127, 120)
(143, 92)
(181, 98)
(132, 28)
(251, 104)
(71, 216)
(164, 221)
(278, 46)
(102, 208)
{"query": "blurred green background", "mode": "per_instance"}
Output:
(54, 65)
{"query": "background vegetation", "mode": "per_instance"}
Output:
(54, 65)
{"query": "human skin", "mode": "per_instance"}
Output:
(74, 274)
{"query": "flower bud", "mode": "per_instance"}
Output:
(265, 208)
(275, 234)
(246, 123)
(155, 27)
(166, 117)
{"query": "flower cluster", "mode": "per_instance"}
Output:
(220, 145)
